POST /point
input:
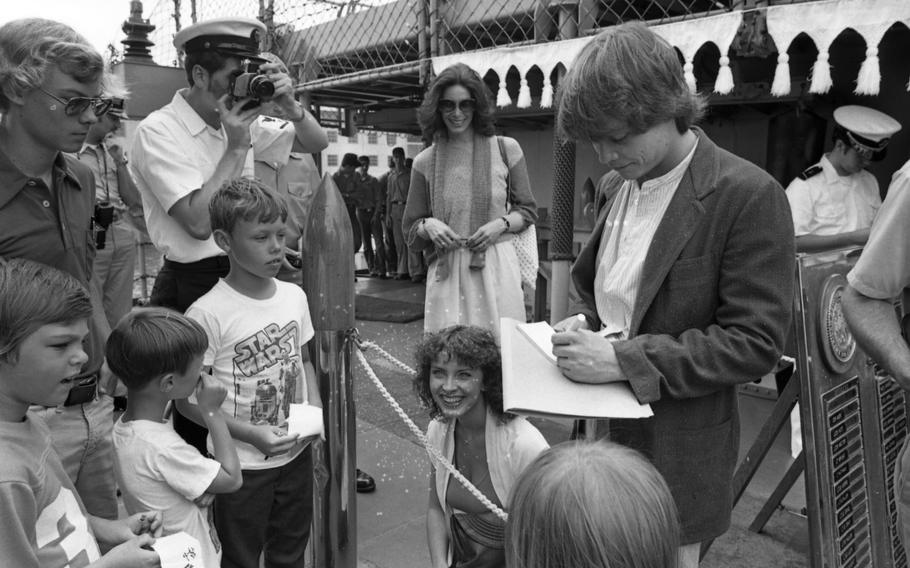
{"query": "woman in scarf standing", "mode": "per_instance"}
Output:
(469, 195)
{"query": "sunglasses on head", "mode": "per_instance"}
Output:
(77, 105)
(464, 105)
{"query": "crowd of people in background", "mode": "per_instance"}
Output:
(375, 208)
(684, 291)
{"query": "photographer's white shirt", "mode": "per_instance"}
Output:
(173, 153)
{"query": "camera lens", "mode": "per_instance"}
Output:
(261, 87)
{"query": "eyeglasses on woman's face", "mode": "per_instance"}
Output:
(447, 106)
(77, 105)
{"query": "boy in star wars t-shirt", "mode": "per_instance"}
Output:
(257, 328)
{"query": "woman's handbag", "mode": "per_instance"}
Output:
(528, 260)
(525, 242)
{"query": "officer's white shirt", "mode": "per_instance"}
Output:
(830, 204)
(174, 152)
(273, 140)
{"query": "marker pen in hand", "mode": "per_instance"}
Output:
(577, 323)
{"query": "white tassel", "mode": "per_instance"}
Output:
(724, 83)
(690, 76)
(524, 94)
(781, 84)
(502, 97)
(546, 96)
(870, 75)
(821, 75)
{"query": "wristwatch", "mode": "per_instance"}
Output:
(301, 110)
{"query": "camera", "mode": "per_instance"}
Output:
(104, 216)
(294, 260)
(84, 390)
(250, 83)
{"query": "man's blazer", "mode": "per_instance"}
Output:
(712, 312)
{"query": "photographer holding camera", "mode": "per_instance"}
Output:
(183, 153)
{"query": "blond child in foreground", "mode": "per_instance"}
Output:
(590, 505)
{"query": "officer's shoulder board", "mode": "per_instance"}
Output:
(809, 172)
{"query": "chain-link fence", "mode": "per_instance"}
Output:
(369, 54)
(283, 17)
(324, 39)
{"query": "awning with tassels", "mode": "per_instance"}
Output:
(822, 21)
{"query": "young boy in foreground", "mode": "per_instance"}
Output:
(257, 327)
(44, 317)
(157, 353)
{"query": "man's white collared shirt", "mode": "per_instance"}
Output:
(629, 229)
(829, 204)
(174, 152)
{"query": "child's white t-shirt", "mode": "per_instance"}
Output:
(254, 350)
(157, 470)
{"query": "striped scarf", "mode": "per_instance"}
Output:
(478, 195)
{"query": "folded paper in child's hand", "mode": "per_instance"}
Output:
(305, 421)
(179, 550)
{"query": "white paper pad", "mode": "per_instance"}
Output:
(305, 420)
(532, 384)
(179, 550)
(539, 333)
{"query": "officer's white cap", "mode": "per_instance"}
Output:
(866, 127)
(230, 36)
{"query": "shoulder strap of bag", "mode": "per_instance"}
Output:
(505, 160)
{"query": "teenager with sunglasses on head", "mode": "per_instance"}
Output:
(469, 194)
(50, 96)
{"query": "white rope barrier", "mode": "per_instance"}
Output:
(434, 453)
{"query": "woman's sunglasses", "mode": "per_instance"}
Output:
(464, 105)
(77, 105)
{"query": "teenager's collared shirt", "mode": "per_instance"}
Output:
(630, 227)
(174, 152)
(53, 227)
